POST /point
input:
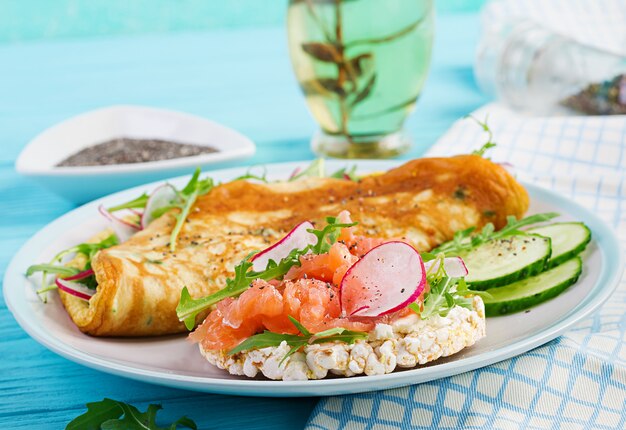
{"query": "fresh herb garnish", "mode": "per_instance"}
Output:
(188, 308)
(115, 415)
(185, 199)
(465, 240)
(314, 170)
(490, 143)
(88, 250)
(346, 173)
(249, 175)
(138, 203)
(445, 292)
(268, 338)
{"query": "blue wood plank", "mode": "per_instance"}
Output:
(240, 78)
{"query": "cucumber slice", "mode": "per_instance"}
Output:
(531, 291)
(568, 240)
(502, 261)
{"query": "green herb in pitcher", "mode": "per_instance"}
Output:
(361, 65)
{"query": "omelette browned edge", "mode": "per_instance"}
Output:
(423, 201)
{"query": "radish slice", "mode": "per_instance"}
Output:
(75, 289)
(386, 279)
(298, 238)
(79, 276)
(123, 229)
(454, 266)
(161, 197)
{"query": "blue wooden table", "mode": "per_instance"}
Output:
(241, 78)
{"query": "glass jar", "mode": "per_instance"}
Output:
(361, 66)
(531, 68)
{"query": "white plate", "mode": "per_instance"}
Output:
(175, 362)
(83, 183)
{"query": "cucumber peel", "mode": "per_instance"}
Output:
(568, 240)
(531, 291)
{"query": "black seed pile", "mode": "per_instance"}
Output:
(128, 151)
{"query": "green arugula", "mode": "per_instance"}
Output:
(184, 202)
(138, 203)
(465, 240)
(295, 341)
(316, 169)
(187, 197)
(188, 308)
(114, 415)
(445, 293)
(55, 266)
(250, 175)
(346, 172)
(490, 143)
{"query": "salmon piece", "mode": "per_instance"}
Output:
(329, 267)
(357, 245)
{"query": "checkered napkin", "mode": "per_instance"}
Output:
(577, 381)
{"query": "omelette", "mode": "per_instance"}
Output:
(423, 202)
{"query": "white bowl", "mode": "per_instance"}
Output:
(39, 158)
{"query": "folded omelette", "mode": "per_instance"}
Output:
(423, 201)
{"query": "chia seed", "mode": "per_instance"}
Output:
(129, 151)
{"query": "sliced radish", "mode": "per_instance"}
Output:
(79, 276)
(75, 289)
(298, 238)
(386, 279)
(454, 266)
(123, 229)
(161, 197)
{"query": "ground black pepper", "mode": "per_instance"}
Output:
(604, 98)
(128, 151)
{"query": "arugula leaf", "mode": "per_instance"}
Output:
(250, 175)
(345, 173)
(138, 203)
(327, 236)
(111, 414)
(490, 143)
(188, 195)
(314, 170)
(465, 240)
(185, 200)
(445, 293)
(268, 338)
(89, 250)
(188, 308)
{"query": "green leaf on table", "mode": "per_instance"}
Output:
(111, 414)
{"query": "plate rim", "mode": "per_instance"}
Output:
(610, 274)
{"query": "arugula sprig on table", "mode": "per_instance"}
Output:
(55, 266)
(465, 240)
(111, 414)
(297, 341)
(188, 308)
(445, 292)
